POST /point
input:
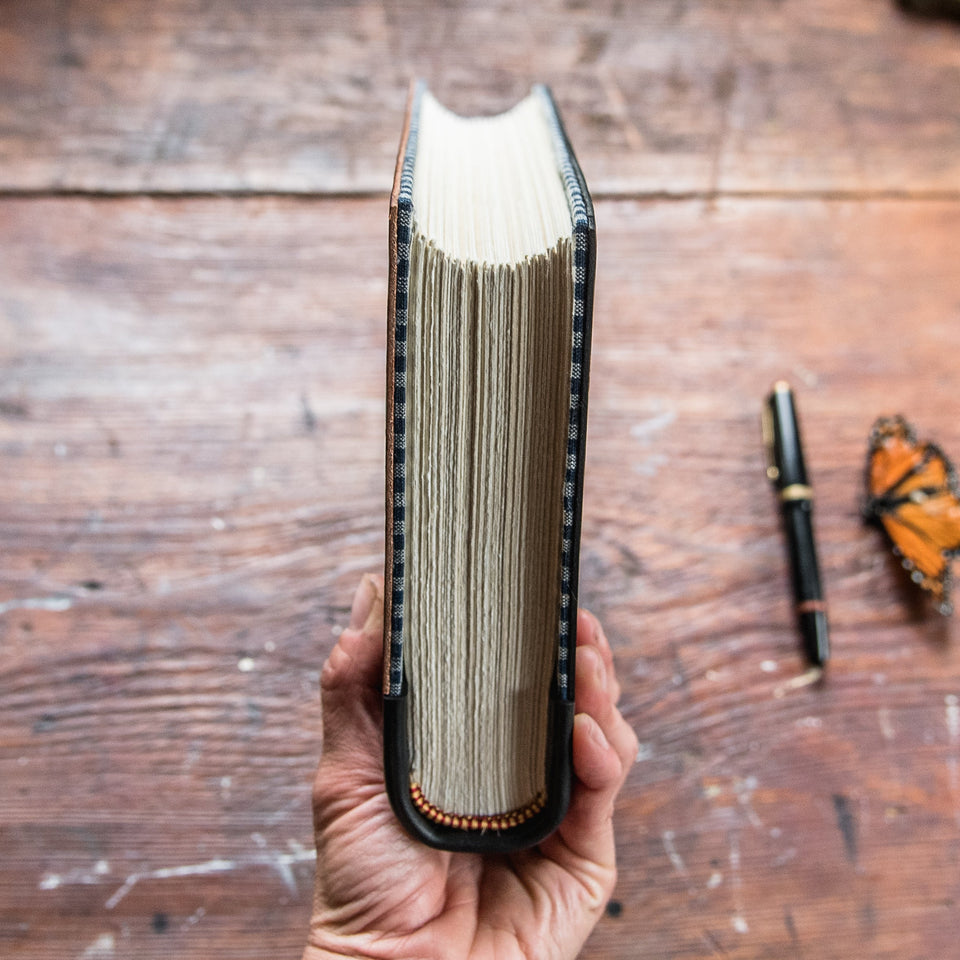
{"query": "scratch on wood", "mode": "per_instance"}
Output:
(282, 863)
(714, 944)
(847, 825)
(791, 926)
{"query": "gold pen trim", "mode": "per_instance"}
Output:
(796, 491)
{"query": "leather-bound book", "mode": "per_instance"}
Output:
(492, 251)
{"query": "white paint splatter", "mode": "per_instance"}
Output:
(953, 760)
(650, 466)
(734, 856)
(647, 429)
(73, 878)
(55, 604)
(246, 664)
(738, 920)
(769, 666)
(194, 918)
(953, 717)
(644, 752)
(744, 792)
(785, 857)
(675, 859)
(103, 946)
(886, 725)
(805, 679)
(716, 878)
(218, 523)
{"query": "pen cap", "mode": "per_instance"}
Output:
(786, 450)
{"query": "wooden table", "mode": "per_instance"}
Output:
(192, 299)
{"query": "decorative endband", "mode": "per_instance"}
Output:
(476, 822)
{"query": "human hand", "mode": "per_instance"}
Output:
(381, 894)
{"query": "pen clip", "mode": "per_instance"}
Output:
(766, 426)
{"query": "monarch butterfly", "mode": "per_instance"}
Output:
(912, 492)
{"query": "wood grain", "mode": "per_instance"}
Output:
(661, 97)
(192, 290)
(191, 424)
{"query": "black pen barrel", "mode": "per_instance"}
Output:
(805, 576)
(788, 471)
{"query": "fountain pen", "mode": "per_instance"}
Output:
(788, 473)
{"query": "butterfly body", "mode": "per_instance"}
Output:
(912, 493)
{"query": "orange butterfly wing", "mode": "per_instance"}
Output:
(913, 493)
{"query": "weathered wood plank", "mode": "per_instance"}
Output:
(191, 435)
(757, 825)
(181, 533)
(660, 97)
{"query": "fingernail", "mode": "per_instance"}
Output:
(594, 731)
(363, 601)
